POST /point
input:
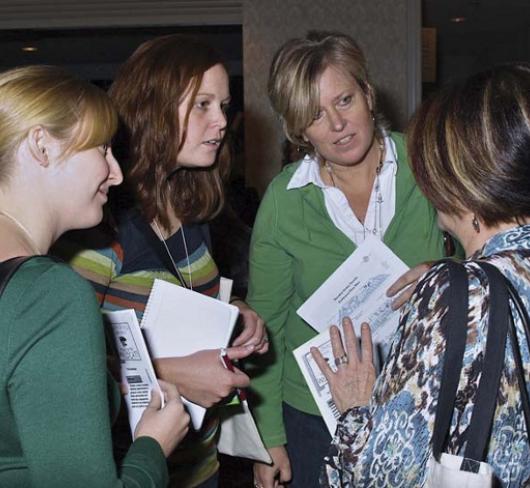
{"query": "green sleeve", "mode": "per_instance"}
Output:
(270, 289)
(57, 387)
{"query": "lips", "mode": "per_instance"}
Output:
(343, 141)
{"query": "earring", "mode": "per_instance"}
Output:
(476, 224)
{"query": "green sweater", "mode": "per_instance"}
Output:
(295, 247)
(55, 423)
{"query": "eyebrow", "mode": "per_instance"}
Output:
(206, 94)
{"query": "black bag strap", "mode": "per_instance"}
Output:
(8, 268)
(481, 422)
(455, 325)
(500, 324)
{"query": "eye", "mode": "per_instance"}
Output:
(345, 100)
(202, 104)
(225, 107)
(105, 148)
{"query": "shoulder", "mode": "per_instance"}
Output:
(44, 271)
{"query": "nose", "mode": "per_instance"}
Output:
(115, 175)
(220, 118)
(336, 121)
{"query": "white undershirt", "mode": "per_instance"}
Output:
(339, 210)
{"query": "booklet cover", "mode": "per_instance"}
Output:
(178, 322)
(136, 369)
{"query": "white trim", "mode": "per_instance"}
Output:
(36, 14)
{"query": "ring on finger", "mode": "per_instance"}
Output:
(257, 485)
(341, 360)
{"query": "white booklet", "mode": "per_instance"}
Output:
(135, 364)
(357, 289)
(178, 322)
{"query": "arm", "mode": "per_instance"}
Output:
(58, 390)
(270, 290)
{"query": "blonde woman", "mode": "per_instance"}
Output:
(56, 169)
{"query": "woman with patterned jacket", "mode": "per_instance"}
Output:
(469, 148)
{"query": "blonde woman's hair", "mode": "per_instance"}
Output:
(295, 73)
(72, 110)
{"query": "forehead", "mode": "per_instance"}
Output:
(215, 80)
(334, 80)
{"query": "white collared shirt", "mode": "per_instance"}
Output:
(339, 210)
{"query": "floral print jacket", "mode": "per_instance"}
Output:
(388, 442)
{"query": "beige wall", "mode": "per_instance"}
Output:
(387, 30)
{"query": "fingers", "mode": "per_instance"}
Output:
(366, 343)
(336, 342)
(350, 339)
(402, 298)
(246, 335)
(240, 352)
(322, 363)
(407, 278)
(170, 391)
(156, 401)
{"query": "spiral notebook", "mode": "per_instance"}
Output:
(178, 322)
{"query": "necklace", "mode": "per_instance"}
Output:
(179, 274)
(378, 201)
(25, 231)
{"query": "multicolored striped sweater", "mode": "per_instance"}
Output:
(122, 268)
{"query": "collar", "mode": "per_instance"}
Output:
(308, 171)
(516, 238)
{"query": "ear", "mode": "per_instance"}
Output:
(36, 139)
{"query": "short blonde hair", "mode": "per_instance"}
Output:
(72, 110)
(295, 73)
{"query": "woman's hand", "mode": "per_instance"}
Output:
(406, 284)
(352, 384)
(274, 476)
(167, 425)
(254, 332)
(201, 377)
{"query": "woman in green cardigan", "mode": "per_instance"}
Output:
(354, 181)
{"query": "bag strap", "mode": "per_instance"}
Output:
(481, 422)
(455, 325)
(8, 268)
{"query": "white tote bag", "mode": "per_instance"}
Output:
(447, 473)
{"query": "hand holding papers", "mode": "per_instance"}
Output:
(357, 289)
(178, 322)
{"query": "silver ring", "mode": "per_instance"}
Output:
(341, 360)
(257, 485)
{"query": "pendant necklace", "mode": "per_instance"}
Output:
(179, 274)
(27, 234)
(378, 195)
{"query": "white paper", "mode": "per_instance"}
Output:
(357, 289)
(135, 364)
(178, 322)
(314, 378)
(225, 289)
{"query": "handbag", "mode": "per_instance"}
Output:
(470, 470)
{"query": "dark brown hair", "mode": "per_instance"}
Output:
(469, 146)
(147, 92)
